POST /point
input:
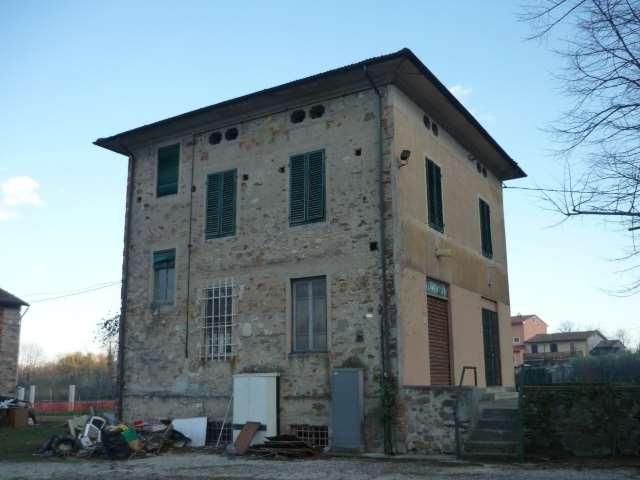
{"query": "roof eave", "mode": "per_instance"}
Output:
(384, 70)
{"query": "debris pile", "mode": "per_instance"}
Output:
(288, 446)
(103, 437)
(15, 412)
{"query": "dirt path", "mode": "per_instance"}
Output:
(218, 467)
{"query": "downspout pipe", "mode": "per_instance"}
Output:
(125, 282)
(189, 245)
(384, 307)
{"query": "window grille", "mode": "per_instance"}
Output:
(218, 314)
(317, 436)
(219, 430)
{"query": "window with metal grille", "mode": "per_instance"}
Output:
(485, 229)
(218, 310)
(317, 436)
(219, 433)
(221, 204)
(307, 188)
(168, 167)
(434, 196)
(309, 309)
(164, 276)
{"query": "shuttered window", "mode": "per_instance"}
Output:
(491, 339)
(306, 188)
(168, 166)
(221, 204)
(485, 229)
(309, 314)
(439, 339)
(164, 276)
(434, 196)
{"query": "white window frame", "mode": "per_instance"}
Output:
(295, 346)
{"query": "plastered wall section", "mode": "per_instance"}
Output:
(472, 278)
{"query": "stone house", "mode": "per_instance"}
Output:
(10, 316)
(523, 327)
(348, 220)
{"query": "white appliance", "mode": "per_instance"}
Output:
(255, 399)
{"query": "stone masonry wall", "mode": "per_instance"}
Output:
(165, 374)
(9, 348)
(427, 419)
(581, 420)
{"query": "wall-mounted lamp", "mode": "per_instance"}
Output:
(404, 158)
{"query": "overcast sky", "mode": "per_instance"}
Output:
(74, 71)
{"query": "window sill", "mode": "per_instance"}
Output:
(308, 222)
(162, 307)
(437, 228)
(216, 237)
(308, 354)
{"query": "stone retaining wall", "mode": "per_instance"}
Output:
(581, 420)
(426, 422)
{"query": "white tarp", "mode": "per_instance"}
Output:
(195, 428)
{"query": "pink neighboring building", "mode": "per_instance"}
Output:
(523, 327)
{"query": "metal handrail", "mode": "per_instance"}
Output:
(457, 403)
(475, 375)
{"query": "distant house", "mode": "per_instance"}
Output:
(10, 307)
(608, 347)
(523, 327)
(549, 348)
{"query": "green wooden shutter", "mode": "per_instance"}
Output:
(168, 166)
(297, 190)
(228, 214)
(434, 196)
(485, 229)
(221, 204)
(315, 188)
(307, 188)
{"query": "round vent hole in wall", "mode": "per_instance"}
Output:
(215, 138)
(427, 122)
(231, 134)
(316, 111)
(298, 116)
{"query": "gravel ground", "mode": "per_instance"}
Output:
(218, 467)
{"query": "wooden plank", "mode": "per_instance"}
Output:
(245, 437)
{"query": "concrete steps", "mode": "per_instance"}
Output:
(495, 435)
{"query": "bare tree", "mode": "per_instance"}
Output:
(624, 337)
(602, 129)
(567, 326)
(31, 357)
(107, 331)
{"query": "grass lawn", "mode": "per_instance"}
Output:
(19, 444)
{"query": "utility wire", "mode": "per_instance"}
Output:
(555, 190)
(64, 292)
(81, 292)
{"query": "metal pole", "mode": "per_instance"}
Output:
(72, 398)
(224, 420)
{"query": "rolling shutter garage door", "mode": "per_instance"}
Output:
(439, 359)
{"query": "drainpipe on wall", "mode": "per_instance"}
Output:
(385, 381)
(124, 289)
(191, 187)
